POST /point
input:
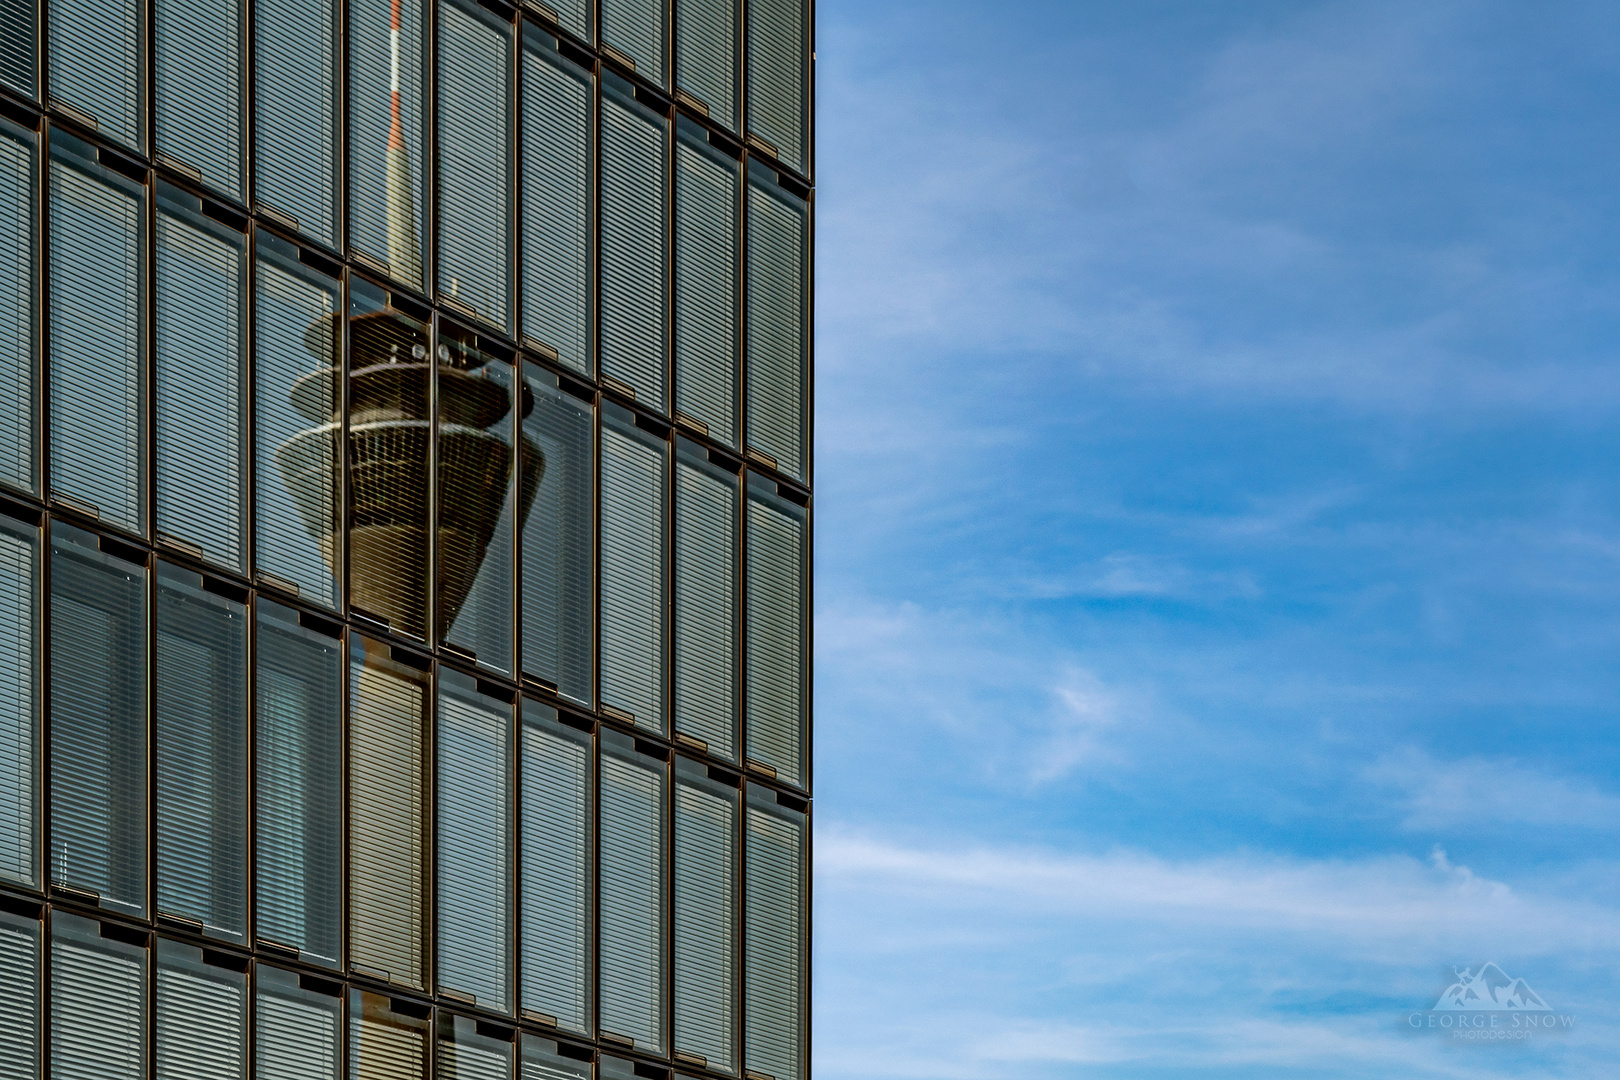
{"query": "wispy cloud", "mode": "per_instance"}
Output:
(1440, 794)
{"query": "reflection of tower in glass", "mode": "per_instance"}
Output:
(404, 260)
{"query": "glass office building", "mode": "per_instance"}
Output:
(404, 539)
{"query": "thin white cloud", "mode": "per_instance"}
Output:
(1436, 794)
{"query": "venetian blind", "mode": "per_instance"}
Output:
(200, 118)
(298, 1032)
(201, 732)
(776, 631)
(95, 49)
(19, 29)
(98, 721)
(98, 1003)
(778, 87)
(557, 99)
(558, 553)
(475, 160)
(19, 702)
(705, 915)
(777, 321)
(632, 557)
(387, 814)
(385, 1044)
(774, 939)
(295, 336)
(634, 149)
(201, 383)
(632, 892)
(201, 1017)
(474, 832)
(19, 337)
(706, 555)
(466, 1053)
(639, 30)
(19, 1005)
(388, 209)
(706, 282)
(555, 860)
(543, 1059)
(299, 767)
(706, 55)
(97, 321)
(296, 113)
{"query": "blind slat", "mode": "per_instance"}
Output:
(633, 471)
(19, 703)
(706, 243)
(298, 1032)
(19, 29)
(98, 1004)
(777, 322)
(774, 939)
(633, 245)
(19, 1005)
(638, 29)
(555, 859)
(296, 128)
(201, 1017)
(778, 89)
(19, 210)
(706, 605)
(706, 55)
(95, 49)
(705, 918)
(775, 634)
(632, 892)
(199, 116)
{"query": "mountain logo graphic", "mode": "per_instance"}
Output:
(1490, 988)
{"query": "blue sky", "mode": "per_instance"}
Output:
(1218, 535)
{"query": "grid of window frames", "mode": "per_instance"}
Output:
(296, 780)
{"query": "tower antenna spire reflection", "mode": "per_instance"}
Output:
(403, 257)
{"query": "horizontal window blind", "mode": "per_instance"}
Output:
(19, 30)
(776, 631)
(558, 550)
(201, 385)
(705, 916)
(557, 199)
(634, 211)
(98, 721)
(200, 117)
(19, 302)
(555, 860)
(96, 53)
(201, 731)
(774, 941)
(201, 1017)
(638, 29)
(466, 1054)
(97, 329)
(633, 500)
(98, 1003)
(296, 418)
(387, 132)
(388, 705)
(707, 237)
(385, 1044)
(542, 1059)
(706, 56)
(777, 322)
(19, 1005)
(632, 892)
(474, 832)
(298, 1032)
(778, 86)
(475, 160)
(706, 556)
(296, 113)
(299, 764)
(19, 702)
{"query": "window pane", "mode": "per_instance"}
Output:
(299, 1032)
(638, 29)
(705, 916)
(19, 335)
(558, 556)
(555, 939)
(201, 730)
(474, 832)
(387, 131)
(633, 500)
(706, 55)
(19, 1005)
(95, 63)
(632, 893)
(479, 482)
(200, 117)
(98, 721)
(384, 1044)
(201, 381)
(774, 941)
(296, 119)
(633, 217)
(542, 1060)
(19, 702)
(557, 97)
(19, 29)
(388, 705)
(464, 1054)
(475, 160)
(300, 770)
(98, 1003)
(778, 89)
(777, 321)
(706, 511)
(297, 424)
(97, 392)
(776, 637)
(201, 1017)
(706, 283)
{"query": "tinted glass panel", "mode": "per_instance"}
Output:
(98, 1003)
(96, 49)
(296, 121)
(19, 291)
(387, 132)
(555, 860)
(634, 211)
(632, 893)
(200, 117)
(633, 500)
(19, 702)
(299, 1033)
(707, 235)
(201, 1017)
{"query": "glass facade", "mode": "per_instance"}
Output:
(405, 523)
